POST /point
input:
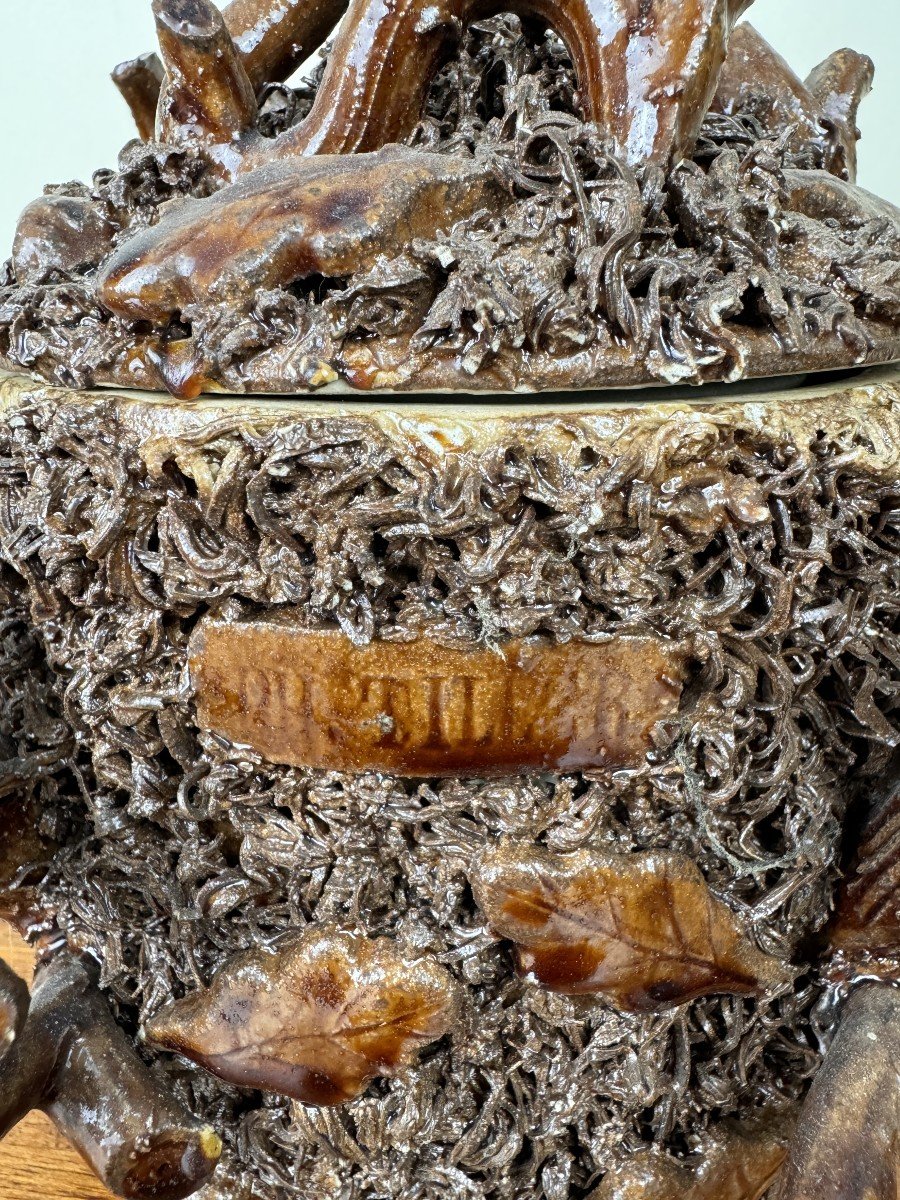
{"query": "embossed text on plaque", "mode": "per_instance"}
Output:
(314, 699)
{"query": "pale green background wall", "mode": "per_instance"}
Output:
(60, 116)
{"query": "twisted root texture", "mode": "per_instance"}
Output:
(589, 270)
(772, 549)
(41, 770)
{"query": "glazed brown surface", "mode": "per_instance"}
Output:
(756, 79)
(72, 1061)
(758, 528)
(331, 216)
(651, 104)
(60, 235)
(140, 82)
(868, 915)
(848, 1139)
(14, 1000)
(23, 854)
(605, 221)
(35, 1160)
(821, 112)
(207, 97)
(273, 37)
(417, 708)
(316, 1020)
(839, 85)
(742, 1163)
(642, 930)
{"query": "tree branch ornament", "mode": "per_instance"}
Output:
(65, 1054)
(678, 147)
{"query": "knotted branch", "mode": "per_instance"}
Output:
(822, 110)
(207, 97)
(273, 38)
(840, 84)
(70, 1059)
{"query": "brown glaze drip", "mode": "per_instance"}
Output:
(418, 708)
(316, 1021)
(642, 930)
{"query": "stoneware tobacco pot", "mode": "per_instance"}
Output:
(476, 780)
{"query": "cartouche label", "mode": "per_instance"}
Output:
(314, 699)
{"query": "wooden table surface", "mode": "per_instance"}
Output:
(35, 1162)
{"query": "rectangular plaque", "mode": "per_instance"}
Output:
(314, 699)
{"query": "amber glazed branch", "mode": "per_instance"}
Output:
(273, 38)
(71, 1060)
(647, 78)
(847, 1145)
(823, 109)
(288, 220)
(315, 1020)
(651, 104)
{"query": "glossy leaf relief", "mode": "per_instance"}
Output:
(647, 73)
(332, 215)
(643, 930)
(739, 1162)
(377, 225)
(316, 1020)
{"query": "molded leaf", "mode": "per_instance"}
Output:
(643, 929)
(316, 1020)
(740, 1163)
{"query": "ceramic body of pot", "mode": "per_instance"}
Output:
(307, 664)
